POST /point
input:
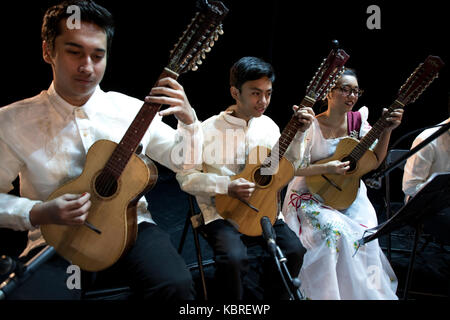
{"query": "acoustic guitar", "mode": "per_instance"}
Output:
(268, 179)
(339, 191)
(115, 176)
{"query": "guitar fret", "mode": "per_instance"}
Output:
(374, 133)
(286, 137)
(112, 170)
(408, 93)
(126, 147)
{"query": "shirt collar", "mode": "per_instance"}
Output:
(228, 116)
(66, 109)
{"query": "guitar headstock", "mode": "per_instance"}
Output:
(199, 37)
(328, 73)
(420, 79)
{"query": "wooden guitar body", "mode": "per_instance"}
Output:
(115, 176)
(114, 216)
(339, 191)
(348, 183)
(264, 198)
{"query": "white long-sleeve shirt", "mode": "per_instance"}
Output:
(45, 140)
(227, 142)
(434, 157)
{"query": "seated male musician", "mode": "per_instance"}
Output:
(434, 157)
(44, 140)
(228, 138)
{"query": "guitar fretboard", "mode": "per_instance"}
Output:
(289, 132)
(374, 133)
(130, 141)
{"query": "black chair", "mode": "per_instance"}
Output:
(194, 219)
(392, 156)
(111, 291)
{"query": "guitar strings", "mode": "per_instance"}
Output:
(110, 174)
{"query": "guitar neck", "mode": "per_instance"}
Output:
(290, 130)
(374, 133)
(133, 136)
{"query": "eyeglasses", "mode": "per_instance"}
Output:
(347, 91)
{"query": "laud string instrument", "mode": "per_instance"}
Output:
(268, 168)
(115, 176)
(339, 191)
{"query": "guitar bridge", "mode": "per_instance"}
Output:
(90, 226)
(331, 182)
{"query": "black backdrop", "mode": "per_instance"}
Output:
(293, 35)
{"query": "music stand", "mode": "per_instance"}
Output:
(431, 198)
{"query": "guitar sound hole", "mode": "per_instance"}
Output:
(261, 180)
(352, 163)
(105, 185)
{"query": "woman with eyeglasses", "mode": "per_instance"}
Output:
(335, 267)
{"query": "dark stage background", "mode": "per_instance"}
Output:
(293, 35)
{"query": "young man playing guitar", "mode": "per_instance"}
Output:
(45, 139)
(228, 138)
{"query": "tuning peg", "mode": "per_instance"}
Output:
(203, 55)
(199, 61)
(211, 44)
(335, 44)
(194, 68)
(323, 62)
(220, 30)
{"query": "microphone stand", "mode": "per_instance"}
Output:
(292, 285)
(16, 279)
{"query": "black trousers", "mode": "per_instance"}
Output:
(152, 268)
(232, 260)
(48, 282)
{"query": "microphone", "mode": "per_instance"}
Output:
(268, 234)
(23, 272)
(9, 265)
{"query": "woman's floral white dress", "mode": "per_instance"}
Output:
(334, 267)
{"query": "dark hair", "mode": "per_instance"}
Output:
(347, 72)
(248, 69)
(89, 12)
(350, 72)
